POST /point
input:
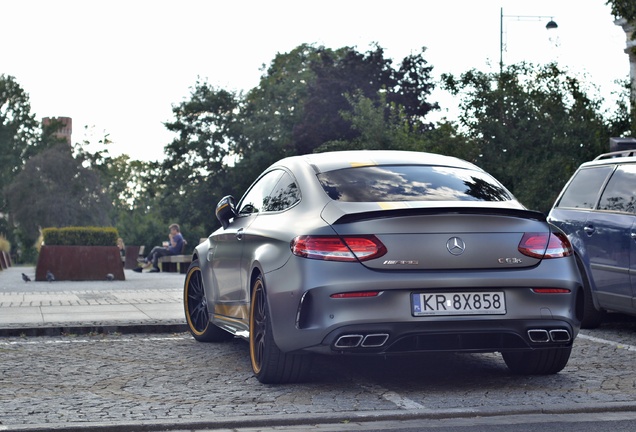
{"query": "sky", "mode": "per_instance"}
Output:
(117, 67)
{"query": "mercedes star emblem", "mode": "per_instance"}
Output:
(455, 246)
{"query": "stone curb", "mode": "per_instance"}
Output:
(343, 418)
(92, 328)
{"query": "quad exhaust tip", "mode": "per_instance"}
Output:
(374, 340)
(544, 336)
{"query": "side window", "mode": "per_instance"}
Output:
(284, 195)
(583, 190)
(620, 193)
(255, 200)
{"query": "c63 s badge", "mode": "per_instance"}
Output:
(509, 260)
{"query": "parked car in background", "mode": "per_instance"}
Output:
(380, 253)
(597, 211)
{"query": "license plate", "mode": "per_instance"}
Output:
(459, 303)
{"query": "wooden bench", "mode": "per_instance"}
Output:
(180, 263)
(131, 259)
(176, 263)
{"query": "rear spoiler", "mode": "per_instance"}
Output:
(344, 218)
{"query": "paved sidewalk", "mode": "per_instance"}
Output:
(144, 302)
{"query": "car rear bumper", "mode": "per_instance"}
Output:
(305, 316)
(466, 336)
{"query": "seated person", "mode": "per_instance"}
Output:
(173, 247)
(121, 246)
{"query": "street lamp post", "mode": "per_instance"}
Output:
(549, 26)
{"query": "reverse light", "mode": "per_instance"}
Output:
(545, 245)
(551, 290)
(335, 248)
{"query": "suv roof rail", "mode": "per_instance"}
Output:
(621, 153)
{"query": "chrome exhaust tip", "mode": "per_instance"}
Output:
(560, 335)
(348, 341)
(538, 335)
(374, 340)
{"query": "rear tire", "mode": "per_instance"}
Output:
(269, 364)
(195, 305)
(538, 362)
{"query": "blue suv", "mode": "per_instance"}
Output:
(597, 211)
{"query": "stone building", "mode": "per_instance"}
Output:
(66, 129)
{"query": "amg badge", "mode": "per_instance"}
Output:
(401, 262)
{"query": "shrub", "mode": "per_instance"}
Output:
(80, 236)
(5, 246)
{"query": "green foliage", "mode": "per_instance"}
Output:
(347, 72)
(377, 130)
(532, 127)
(18, 131)
(305, 99)
(623, 9)
(378, 125)
(80, 236)
(5, 245)
(54, 189)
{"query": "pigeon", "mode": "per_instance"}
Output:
(26, 278)
(110, 277)
(50, 276)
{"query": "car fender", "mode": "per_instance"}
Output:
(583, 264)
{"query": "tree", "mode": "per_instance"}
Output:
(224, 140)
(196, 164)
(271, 111)
(346, 72)
(623, 9)
(626, 9)
(132, 187)
(18, 132)
(532, 126)
(395, 132)
(54, 190)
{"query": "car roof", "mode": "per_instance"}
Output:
(329, 161)
(623, 156)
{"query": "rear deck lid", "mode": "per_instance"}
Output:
(452, 239)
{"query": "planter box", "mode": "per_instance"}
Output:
(5, 260)
(79, 263)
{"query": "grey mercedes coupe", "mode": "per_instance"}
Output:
(380, 253)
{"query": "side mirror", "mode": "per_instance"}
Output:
(226, 210)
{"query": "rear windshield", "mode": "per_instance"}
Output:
(411, 183)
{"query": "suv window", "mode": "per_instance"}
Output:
(620, 193)
(584, 188)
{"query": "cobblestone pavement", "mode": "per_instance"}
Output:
(123, 379)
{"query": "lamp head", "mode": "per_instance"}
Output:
(551, 25)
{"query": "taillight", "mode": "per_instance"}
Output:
(545, 245)
(335, 248)
(551, 290)
(357, 294)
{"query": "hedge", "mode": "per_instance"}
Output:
(80, 236)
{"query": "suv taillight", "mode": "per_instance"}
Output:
(335, 248)
(545, 245)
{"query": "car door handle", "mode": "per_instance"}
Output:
(589, 229)
(239, 234)
(633, 235)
